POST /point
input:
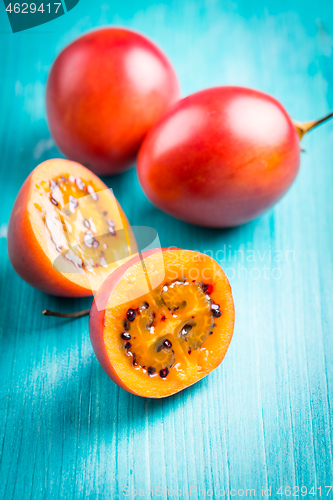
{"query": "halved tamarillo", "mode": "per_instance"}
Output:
(67, 232)
(162, 321)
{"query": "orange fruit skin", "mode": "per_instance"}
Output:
(24, 250)
(97, 323)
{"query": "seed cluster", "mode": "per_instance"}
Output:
(142, 316)
(69, 220)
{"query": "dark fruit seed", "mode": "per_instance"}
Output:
(186, 329)
(54, 202)
(216, 313)
(207, 288)
(126, 325)
(163, 318)
(189, 351)
(211, 333)
(167, 344)
(145, 305)
(135, 362)
(151, 370)
(126, 336)
(131, 315)
(105, 213)
(128, 345)
(164, 372)
(63, 179)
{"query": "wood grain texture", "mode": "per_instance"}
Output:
(264, 417)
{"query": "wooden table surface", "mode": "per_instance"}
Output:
(263, 419)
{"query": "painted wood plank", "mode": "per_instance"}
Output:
(262, 419)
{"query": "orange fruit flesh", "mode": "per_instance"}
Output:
(80, 225)
(173, 335)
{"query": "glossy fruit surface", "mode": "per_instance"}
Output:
(67, 232)
(160, 327)
(105, 91)
(220, 157)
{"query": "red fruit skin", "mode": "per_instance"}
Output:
(104, 92)
(220, 157)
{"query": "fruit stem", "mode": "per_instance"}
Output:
(304, 127)
(78, 314)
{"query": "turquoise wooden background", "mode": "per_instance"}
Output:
(264, 417)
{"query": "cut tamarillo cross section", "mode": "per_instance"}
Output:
(59, 237)
(153, 324)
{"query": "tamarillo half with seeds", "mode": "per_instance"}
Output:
(67, 232)
(162, 321)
